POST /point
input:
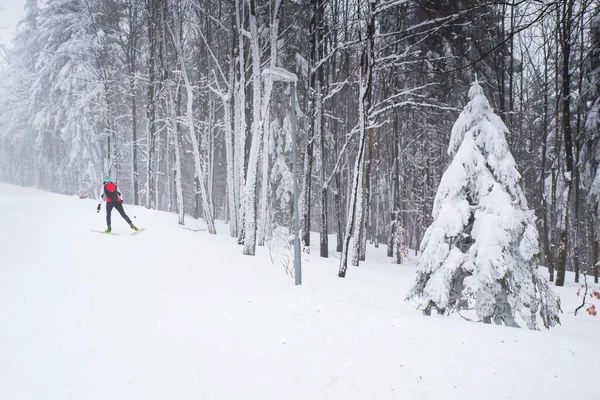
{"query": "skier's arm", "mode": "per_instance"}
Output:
(101, 199)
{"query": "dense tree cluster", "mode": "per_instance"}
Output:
(168, 96)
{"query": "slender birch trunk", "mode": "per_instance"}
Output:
(240, 119)
(250, 188)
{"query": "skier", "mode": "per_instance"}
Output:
(113, 200)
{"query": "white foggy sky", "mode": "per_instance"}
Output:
(11, 11)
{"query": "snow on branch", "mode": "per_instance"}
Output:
(379, 108)
(336, 88)
(377, 113)
(279, 74)
(333, 51)
(386, 5)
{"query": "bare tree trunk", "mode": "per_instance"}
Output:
(175, 132)
(337, 201)
(306, 190)
(251, 178)
(364, 99)
(134, 147)
(576, 266)
(376, 211)
(566, 125)
(511, 68)
(157, 162)
(352, 210)
(240, 117)
(394, 192)
(390, 236)
(200, 175)
(196, 197)
(232, 184)
(578, 145)
(323, 242)
(152, 10)
(360, 206)
(548, 254)
(365, 227)
(313, 132)
(595, 245)
(210, 150)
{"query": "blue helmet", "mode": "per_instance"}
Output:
(107, 179)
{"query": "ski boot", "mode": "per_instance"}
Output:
(134, 227)
(108, 230)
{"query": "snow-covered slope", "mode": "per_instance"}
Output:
(176, 314)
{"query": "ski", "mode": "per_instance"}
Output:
(104, 232)
(113, 233)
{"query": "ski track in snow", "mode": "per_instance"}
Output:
(176, 314)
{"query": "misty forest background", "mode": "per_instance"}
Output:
(167, 96)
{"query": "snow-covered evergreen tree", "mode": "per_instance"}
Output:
(481, 251)
(75, 94)
(17, 135)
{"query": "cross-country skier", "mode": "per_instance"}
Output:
(113, 200)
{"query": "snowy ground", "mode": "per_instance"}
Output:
(176, 314)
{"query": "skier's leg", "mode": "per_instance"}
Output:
(119, 207)
(109, 207)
